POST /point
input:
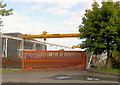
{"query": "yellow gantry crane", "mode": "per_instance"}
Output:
(45, 35)
(75, 47)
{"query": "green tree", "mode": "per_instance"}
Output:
(4, 11)
(118, 38)
(100, 28)
(61, 50)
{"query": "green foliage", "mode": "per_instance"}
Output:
(117, 4)
(4, 12)
(100, 28)
(116, 54)
(61, 50)
(116, 64)
(110, 71)
(116, 59)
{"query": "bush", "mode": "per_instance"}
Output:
(116, 63)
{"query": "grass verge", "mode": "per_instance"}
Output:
(6, 70)
(109, 71)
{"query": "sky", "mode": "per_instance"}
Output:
(53, 16)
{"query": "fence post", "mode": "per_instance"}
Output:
(87, 56)
(82, 61)
(23, 60)
(85, 60)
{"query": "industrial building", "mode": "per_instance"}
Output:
(9, 44)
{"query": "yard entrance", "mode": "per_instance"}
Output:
(54, 60)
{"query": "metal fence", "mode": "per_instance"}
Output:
(54, 60)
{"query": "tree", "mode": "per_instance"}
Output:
(118, 38)
(100, 28)
(61, 50)
(4, 12)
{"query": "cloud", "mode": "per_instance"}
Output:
(56, 11)
(73, 20)
(66, 4)
(35, 7)
(26, 25)
(44, 1)
(53, 8)
(53, 0)
(22, 24)
(59, 7)
(76, 18)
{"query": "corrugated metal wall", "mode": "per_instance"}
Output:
(13, 45)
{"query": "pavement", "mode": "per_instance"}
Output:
(74, 76)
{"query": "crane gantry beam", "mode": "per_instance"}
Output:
(75, 47)
(44, 35)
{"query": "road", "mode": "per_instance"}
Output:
(75, 76)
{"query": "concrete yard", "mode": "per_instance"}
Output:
(75, 76)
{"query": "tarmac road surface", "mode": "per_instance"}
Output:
(74, 76)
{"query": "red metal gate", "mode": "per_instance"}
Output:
(54, 60)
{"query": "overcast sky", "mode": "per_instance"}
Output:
(54, 16)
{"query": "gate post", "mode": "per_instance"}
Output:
(85, 61)
(23, 60)
(87, 56)
(82, 61)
